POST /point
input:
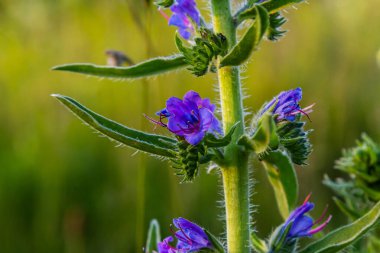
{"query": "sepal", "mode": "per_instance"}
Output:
(295, 140)
(188, 157)
(276, 20)
(187, 160)
(279, 243)
(200, 56)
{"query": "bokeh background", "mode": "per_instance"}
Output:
(65, 189)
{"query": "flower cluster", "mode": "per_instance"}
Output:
(191, 238)
(191, 117)
(286, 106)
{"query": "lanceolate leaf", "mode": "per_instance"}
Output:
(278, 5)
(346, 235)
(241, 51)
(271, 7)
(346, 210)
(258, 244)
(154, 144)
(215, 242)
(252, 37)
(144, 69)
(211, 141)
(154, 237)
(265, 137)
(283, 179)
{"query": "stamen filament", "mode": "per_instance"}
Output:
(155, 121)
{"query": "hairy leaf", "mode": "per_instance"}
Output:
(283, 179)
(252, 37)
(211, 141)
(258, 244)
(265, 137)
(154, 144)
(278, 5)
(147, 68)
(215, 242)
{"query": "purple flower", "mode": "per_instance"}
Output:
(286, 105)
(302, 225)
(165, 247)
(185, 14)
(190, 118)
(191, 238)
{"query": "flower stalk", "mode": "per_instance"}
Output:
(235, 170)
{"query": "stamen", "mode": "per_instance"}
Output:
(306, 199)
(170, 246)
(164, 14)
(319, 228)
(194, 114)
(155, 121)
(322, 216)
(163, 116)
(305, 111)
(177, 235)
(308, 109)
(173, 232)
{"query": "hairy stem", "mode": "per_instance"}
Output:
(235, 172)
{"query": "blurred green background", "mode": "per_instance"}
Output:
(64, 189)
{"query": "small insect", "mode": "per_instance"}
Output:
(116, 58)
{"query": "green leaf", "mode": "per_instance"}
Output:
(144, 69)
(150, 143)
(278, 5)
(351, 214)
(213, 142)
(344, 236)
(252, 37)
(258, 244)
(283, 178)
(273, 6)
(217, 244)
(265, 137)
(154, 237)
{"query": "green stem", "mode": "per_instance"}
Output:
(235, 172)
